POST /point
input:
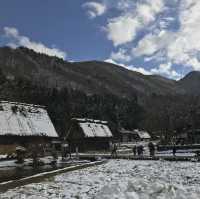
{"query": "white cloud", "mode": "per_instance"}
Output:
(180, 47)
(124, 5)
(162, 69)
(166, 70)
(20, 40)
(185, 48)
(11, 32)
(170, 34)
(165, 22)
(123, 29)
(139, 70)
(130, 67)
(120, 56)
(152, 43)
(94, 9)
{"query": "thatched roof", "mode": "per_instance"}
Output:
(93, 128)
(21, 119)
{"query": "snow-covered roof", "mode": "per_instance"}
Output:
(94, 128)
(142, 134)
(25, 120)
(124, 131)
(89, 120)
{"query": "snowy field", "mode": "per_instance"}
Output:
(119, 179)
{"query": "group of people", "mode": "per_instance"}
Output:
(139, 150)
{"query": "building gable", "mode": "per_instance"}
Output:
(25, 120)
(93, 128)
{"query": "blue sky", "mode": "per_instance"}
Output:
(152, 37)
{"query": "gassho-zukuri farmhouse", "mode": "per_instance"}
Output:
(89, 134)
(24, 124)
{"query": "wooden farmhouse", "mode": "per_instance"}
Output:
(24, 124)
(133, 136)
(89, 135)
(127, 136)
(142, 135)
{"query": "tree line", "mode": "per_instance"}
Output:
(166, 116)
(170, 116)
(64, 104)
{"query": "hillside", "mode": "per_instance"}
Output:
(190, 83)
(92, 77)
(98, 90)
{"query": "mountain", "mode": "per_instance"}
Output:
(92, 77)
(97, 90)
(191, 82)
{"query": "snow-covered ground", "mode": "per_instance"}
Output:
(119, 179)
(3, 156)
(190, 153)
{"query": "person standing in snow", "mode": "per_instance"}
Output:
(151, 149)
(114, 151)
(174, 150)
(140, 150)
(134, 150)
(77, 152)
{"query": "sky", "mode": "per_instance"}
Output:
(148, 36)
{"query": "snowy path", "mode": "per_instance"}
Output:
(119, 179)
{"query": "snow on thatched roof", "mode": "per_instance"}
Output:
(25, 120)
(124, 131)
(142, 134)
(90, 120)
(94, 128)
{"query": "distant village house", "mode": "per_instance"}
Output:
(89, 135)
(188, 137)
(133, 136)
